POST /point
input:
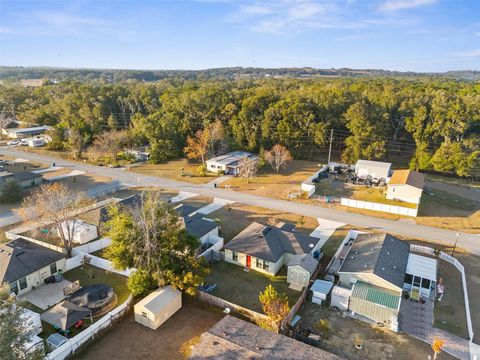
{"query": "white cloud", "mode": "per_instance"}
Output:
(469, 54)
(394, 5)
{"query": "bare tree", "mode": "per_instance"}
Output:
(216, 141)
(57, 206)
(76, 142)
(278, 157)
(110, 142)
(7, 116)
(247, 169)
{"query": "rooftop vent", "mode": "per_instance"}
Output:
(395, 267)
(311, 246)
(356, 252)
(383, 268)
(388, 252)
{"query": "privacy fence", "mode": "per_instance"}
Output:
(392, 209)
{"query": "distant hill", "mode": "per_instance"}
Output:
(118, 75)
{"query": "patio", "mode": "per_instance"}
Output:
(46, 295)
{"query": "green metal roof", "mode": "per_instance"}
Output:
(376, 295)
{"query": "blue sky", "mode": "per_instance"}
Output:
(417, 35)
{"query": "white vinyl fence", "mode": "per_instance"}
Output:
(392, 209)
(217, 245)
(459, 266)
(89, 334)
(308, 186)
(93, 246)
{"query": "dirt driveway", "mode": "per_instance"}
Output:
(378, 344)
(127, 340)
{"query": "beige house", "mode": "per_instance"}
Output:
(24, 264)
(406, 185)
(158, 307)
(267, 248)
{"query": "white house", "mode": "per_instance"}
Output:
(229, 163)
(406, 185)
(36, 142)
(24, 264)
(82, 232)
(21, 133)
(158, 307)
(266, 249)
(376, 169)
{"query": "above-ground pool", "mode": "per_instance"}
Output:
(98, 298)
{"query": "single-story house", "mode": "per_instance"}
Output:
(82, 232)
(267, 248)
(36, 142)
(229, 163)
(406, 185)
(140, 154)
(232, 338)
(320, 290)
(199, 227)
(158, 307)
(24, 264)
(185, 210)
(22, 133)
(24, 179)
(376, 169)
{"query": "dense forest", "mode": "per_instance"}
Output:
(434, 123)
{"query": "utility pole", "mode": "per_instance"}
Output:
(330, 148)
(455, 245)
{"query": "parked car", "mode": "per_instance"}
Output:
(13, 142)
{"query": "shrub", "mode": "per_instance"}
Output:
(11, 193)
(141, 283)
(324, 327)
(202, 170)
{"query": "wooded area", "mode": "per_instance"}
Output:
(433, 122)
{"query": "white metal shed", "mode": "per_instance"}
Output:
(373, 168)
(320, 290)
(158, 307)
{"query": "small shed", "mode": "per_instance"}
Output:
(376, 169)
(320, 290)
(300, 270)
(158, 307)
(82, 232)
(56, 340)
(340, 298)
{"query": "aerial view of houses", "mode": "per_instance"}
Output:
(293, 179)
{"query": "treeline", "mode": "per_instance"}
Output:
(12, 74)
(433, 122)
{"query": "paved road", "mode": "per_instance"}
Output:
(468, 241)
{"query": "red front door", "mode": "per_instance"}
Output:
(249, 261)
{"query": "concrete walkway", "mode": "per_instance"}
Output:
(214, 206)
(64, 176)
(50, 169)
(182, 195)
(416, 319)
(325, 229)
(218, 180)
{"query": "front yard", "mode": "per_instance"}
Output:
(242, 288)
(180, 169)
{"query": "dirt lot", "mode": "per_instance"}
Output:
(277, 185)
(127, 340)
(236, 217)
(173, 170)
(378, 344)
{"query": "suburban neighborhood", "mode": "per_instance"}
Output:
(207, 180)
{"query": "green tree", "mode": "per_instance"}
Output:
(141, 283)
(152, 238)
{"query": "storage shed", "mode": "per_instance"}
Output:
(340, 297)
(300, 269)
(376, 169)
(320, 290)
(158, 307)
(82, 232)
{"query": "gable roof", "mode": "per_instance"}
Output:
(381, 254)
(25, 176)
(307, 262)
(270, 243)
(21, 257)
(197, 226)
(376, 295)
(232, 158)
(232, 338)
(185, 210)
(408, 177)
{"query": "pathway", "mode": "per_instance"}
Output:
(214, 206)
(325, 229)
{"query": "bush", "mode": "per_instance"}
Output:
(141, 283)
(11, 193)
(323, 326)
(202, 170)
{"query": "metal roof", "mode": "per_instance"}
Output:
(233, 158)
(159, 299)
(422, 266)
(370, 163)
(322, 286)
(376, 295)
(28, 130)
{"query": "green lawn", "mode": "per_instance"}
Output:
(94, 275)
(334, 241)
(242, 288)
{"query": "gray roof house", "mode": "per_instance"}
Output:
(267, 248)
(24, 179)
(199, 227)
(229, 163)
(232, 338)
(185, 210)
(24, 264)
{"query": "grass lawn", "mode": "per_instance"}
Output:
(242, 288)
(377, 195)
(96, 275)
(449, 313)
(277, 185)
(235, 217)
(334, 241)
(173, 170)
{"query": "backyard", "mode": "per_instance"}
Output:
(235, 217)
(174, 169)
(242, 288)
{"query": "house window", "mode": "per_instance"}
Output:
(234, 256)
(23, 283)
(425, 283)
(266, 265)
(53, 268)
(408, 279)
(144, 314)
(262, 264)
(14, 287)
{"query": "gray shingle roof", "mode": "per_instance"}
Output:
(232, 338)
(185, 210)
(21, 257)
(198, 227)
(25, 176)
(307, 262)
(381, 254)
(270, 243)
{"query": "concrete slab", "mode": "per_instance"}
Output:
(70, 174)
(50, 169)
(217, 203)
(46, 295)
(325, 229)
(182, 195)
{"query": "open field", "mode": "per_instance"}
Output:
(128, 340)
(378, 343)
(173, 170)
(235, 217)
(277, 185)
(242, 288)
